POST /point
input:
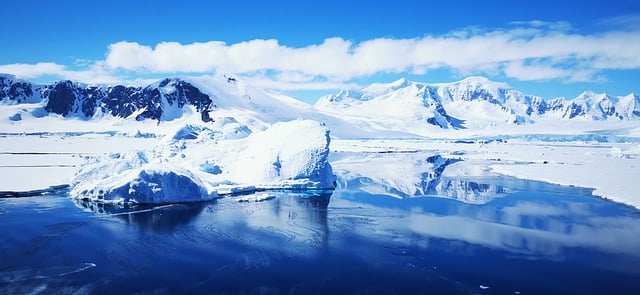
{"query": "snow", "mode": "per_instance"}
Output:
(381, 108)
(287, 152)
(610, 168)
(481, 113)
(475, 104)
(379, 142)
(33, 162)
(198, 164)
(134, 180)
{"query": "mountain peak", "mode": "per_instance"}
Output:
(592, 96)
(400, 82)
(588, 93)
(481, 82)
(379, 88)
(476, 79)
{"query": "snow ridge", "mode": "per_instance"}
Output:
(475, 102)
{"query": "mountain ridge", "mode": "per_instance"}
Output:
(399, 106)
(159, 101)
(475, 102)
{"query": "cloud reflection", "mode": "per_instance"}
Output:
(534, 228)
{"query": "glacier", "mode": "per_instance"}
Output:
(199, 164)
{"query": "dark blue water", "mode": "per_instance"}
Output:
(348, 242)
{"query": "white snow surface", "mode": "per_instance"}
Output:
(475, 105)
(198, 164)
(258, 141)
(396, 166)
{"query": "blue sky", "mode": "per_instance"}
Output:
(546, 48)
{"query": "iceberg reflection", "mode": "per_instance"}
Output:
(302, 216)
(160, 218)
(288, 222)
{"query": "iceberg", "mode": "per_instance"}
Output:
(197, 163)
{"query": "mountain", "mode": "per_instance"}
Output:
(14, 91)
(161, 101)
(590, 105)
(223, 98)
(391, 104)
(402, 108)
(475, 102)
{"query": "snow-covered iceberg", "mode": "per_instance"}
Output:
(198, 163)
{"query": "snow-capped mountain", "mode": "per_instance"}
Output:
(594, 106)
(452, 105)
(162, 100)
(14, 90)
(472, 102)
(25, 106)
(388, 105)
(399, 109)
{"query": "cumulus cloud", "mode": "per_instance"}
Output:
(32, 70)
(527, 51)
(276, 82)
(95, 72)
(534, 72)
(524, 50)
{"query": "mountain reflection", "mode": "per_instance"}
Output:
(422, 174)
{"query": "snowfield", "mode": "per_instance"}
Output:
(399, 166)
(402, 139)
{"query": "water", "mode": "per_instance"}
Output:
(348, 242)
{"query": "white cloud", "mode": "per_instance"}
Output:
(526, 50)
(94, 73)
(27, 71)
(530, 72)
(335, 58)
(267, 82)
(295, 77)
(553, 26)
(625, 22)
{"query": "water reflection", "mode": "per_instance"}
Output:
(303, 210)
(423, 174)
(156, 218)
(467, 191)
(532, 225)
(291, 223)
(343, 242)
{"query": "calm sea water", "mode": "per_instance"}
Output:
(345, 242)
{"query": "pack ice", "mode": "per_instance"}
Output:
(199, 162)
